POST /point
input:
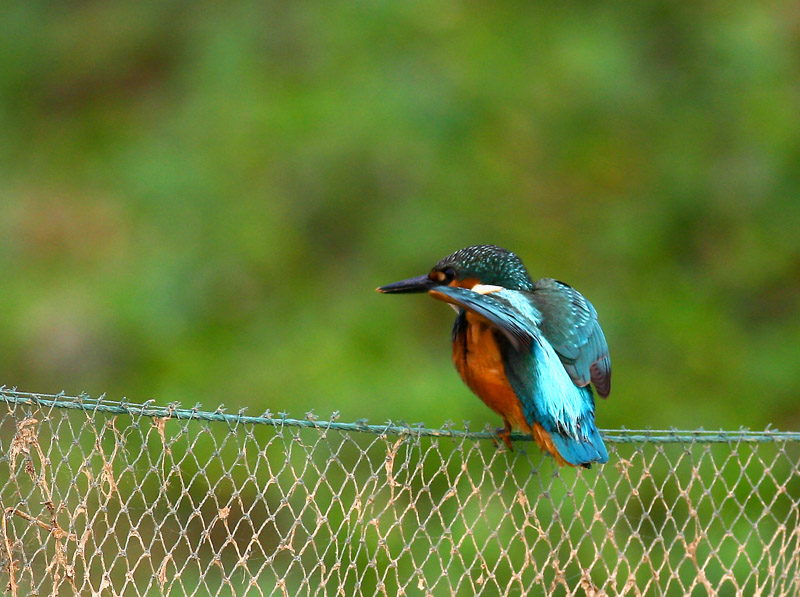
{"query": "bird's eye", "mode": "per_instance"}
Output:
(443, 276)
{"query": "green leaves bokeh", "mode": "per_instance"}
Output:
(198, 199)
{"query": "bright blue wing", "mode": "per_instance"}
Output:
(569, 322)
(550, 397)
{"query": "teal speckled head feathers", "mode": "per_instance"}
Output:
(488, 264)
(480, 264)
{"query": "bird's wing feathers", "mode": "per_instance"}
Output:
(556, 311)
(569, 323)
(565, 411)
(515, 321)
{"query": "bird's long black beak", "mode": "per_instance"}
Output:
(418, 284)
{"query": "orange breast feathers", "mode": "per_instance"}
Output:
(477, 357)
(479, 362)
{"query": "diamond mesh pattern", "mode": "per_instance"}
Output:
(135, 500)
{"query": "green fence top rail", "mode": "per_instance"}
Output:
(84, 402)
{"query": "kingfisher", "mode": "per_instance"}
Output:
(529, 350)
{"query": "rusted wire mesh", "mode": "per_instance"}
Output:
(112, 498)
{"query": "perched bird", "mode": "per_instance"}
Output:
(528, 349)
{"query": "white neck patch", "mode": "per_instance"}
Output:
(486, 288)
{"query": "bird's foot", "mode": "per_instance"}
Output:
(504, 433)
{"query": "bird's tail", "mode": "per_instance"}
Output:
(584, 451)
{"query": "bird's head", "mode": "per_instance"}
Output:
(484, 265)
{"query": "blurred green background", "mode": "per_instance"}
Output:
(198, 199)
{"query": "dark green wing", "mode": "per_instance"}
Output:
(569, 323)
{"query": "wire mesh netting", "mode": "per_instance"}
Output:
(112, 498)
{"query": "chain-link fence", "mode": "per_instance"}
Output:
(111, 498)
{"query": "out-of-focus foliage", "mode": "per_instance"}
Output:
(198, 199)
